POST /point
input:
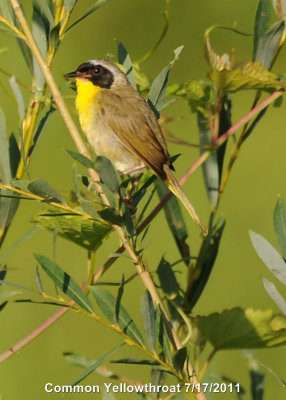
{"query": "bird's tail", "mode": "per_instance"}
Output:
(175, 188)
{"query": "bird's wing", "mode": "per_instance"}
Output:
(134, 123)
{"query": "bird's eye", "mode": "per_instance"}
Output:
(97, 70)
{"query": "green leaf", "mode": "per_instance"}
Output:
(3, 273)
(268, 45)
(91, 10)
(81, 361)
(257, 385)
(210, 168)
(78, 360)
(86, 162)
(8, 294)
(18, 96)
(54, 36)
(41, 126)
(159, 85)
(149, 320)
(69, 5)
(65, 282)
(26, 52)
(125, 60)
(248, 75)
(270, 256)
(8, 208)
(106, 302)
(175, 221)
(4, 150)
(107, 173)
(3, 305)
(168, 279)
(14, 154)
(118, 300)
(46, 12)
(279, 220)
(158, 89)
(200, 274)
(95, 365)
(111, 215)
(262, 19)
(6, 11)
(275, 294)
(40, 28)
(243, 329)
(43, 189)
(134, 361)
(86, 233)
(179, 359)
(162, 336)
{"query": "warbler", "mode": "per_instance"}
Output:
(120, 124)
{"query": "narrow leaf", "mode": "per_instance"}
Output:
(40, 32)
(125, 60)
(257, 385)
(95, 365)
(86, 233)
(98, 4)
(4, 150)
(210, 168)
(106, 302)
(69, 5)
(149, 321)
(261, 25)
(111, 215)
(18, 96)
(168, 279)
(65, 282)
(275, 295)
(14, 154)
(86, 162)
(107, 173)
(41, 127)
(46, 12)
(268, 45)
(243, 328)
(270, 256)
(175, 221)
(134, 361)
(199, 275)
(279, 220)
(118, 300)
(26, 52)
(159, 85)
(43, 189)
(6, 11)
(162, 336)
(179, 359)
(158, 89)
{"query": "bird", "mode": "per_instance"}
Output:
(120, 125)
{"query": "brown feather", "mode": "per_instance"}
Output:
(129, 116)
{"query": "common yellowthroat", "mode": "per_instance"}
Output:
(119, 124)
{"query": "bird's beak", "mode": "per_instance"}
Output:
(73, 74)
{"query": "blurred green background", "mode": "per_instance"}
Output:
(248, 203)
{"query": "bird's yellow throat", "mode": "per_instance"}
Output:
(86, 103)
